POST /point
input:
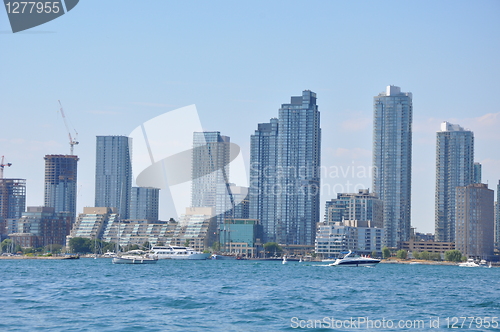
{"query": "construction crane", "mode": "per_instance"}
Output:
(2, 165)
(72, 141)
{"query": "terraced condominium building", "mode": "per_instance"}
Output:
(392, 156)
(454, 167)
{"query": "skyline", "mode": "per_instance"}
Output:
(123, 70)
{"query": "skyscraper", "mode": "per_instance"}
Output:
(210, 172)
(263, 179)
(474, 221)
(144, 204)
(299, 161)
(12, 201)
(454, 167)
(477, 173)
(113, 177)
(60, 183)
(392, 144)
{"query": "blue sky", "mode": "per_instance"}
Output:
(115, 65)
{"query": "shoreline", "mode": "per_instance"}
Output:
(40, 257)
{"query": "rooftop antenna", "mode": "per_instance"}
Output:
(72, 141)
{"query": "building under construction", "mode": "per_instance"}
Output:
(60, 183)
(12, 201)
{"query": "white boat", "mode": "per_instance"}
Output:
(470, 263)
(175, 252)
(134, 259)
(349, 259)
(222, 257)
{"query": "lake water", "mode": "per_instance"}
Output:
(95, 295)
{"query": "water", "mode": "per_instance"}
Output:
(95, 295)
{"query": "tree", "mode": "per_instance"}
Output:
(216, 246)
(425, 255)
(401, 254)
(435, 256)
(386, 252)
(80, 245)
(374, 253)
(453, 256)
(416, 254)
(272, 249)
(6, 245)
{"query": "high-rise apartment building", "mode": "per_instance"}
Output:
(61, 183)
(263, 180)
(12, 202)
(454, 167)
(392, 156)
(476, 178)
(361, 207)
(474, 221)
(285, 180)
(113, 177)
(210, 172)
(144, 204)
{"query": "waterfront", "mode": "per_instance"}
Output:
(90, 295)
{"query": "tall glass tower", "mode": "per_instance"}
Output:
(113, 173)
(392, 144)
(263, 180)
(298, 173)
(60, 184)
(454, 167)
(210, 172)
(285, 179)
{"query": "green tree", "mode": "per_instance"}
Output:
(374, 253)
(6, 245)
(272, 249)
(402, 254)
(416, 254)
(186, 243)
(453, 256)
(435, 256)
(425, 255)
(108, 246)
(81, 245)
(386, 252)
(216, 246)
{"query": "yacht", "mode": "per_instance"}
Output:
(470, 263)
(349, 259)
(176, 252)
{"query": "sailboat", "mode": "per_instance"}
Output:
(131, 258)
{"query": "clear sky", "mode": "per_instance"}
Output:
(117, 64)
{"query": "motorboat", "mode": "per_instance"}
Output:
(470, 263)
(177, 252)
(350, 259)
